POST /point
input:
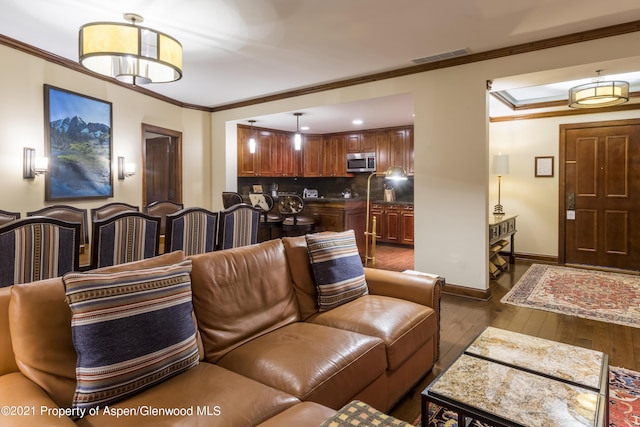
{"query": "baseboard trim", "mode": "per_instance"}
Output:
(463, 291)
(544, 259)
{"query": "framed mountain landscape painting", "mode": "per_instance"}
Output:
(78, 139)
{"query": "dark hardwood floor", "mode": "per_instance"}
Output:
(462, 319)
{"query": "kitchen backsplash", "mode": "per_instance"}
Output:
(332, 187)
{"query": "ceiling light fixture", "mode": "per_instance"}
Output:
(130, 53)
(252, 140)
(599, 93)
(297, 138)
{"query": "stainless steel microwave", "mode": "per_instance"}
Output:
(361, 162)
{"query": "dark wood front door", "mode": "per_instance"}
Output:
(600, 194)
(162, 178)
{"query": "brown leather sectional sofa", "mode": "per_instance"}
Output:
(267, 356)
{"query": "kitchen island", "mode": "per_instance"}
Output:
(338, 214)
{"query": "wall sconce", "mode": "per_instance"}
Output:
(125, 170)
(33, 166)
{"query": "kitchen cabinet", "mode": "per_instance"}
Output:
(334, 156)
(321, 155)
(312, 155)
(394, 222)
(362, 142)
(394, 147)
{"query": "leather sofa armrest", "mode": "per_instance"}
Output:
(26, 402)
(419, 289)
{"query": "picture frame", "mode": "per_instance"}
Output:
(78, 131)
(544, 166)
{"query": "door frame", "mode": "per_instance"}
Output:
(562, 212)
(176, 137)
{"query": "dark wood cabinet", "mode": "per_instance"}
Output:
(321, 155)
(335, 156)
(338, 215)
(394, 223)
(312, 155)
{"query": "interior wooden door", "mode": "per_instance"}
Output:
(600, 194)
(162, 178)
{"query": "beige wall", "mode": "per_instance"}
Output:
(452, 151)
(22, 125)
(453, 190)
(535, 200)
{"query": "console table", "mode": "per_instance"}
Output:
(501, 227)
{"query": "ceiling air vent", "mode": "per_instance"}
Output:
(441, 56)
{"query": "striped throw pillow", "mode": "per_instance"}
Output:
(131, 330)
(337, 268)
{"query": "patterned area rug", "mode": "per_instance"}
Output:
(608, 297)
(624, 403)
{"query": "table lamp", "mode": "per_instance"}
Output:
(500, 167)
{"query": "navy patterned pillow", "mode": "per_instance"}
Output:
(131, 330)
(337, 268)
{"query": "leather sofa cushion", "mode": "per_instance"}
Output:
(224, 398)
(240, 294)
(301, 274)
(40, 324)
(404, 326)
(312, 362)
(7, 358)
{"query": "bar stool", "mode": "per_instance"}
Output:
(294, 224)
(270, 222)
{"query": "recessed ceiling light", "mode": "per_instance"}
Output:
(357, 121)
(304, 127)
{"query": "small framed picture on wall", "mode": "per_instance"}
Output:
(544, 166)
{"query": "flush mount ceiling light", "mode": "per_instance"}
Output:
(599, 93)
(130, 53)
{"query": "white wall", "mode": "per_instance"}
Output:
(22, 125)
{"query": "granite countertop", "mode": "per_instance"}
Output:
(397, 202)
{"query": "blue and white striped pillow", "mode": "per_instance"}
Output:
(131, 330)
(337, 268)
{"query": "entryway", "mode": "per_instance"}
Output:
(599, 222)
(161, 164)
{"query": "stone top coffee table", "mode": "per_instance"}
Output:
(509, 379)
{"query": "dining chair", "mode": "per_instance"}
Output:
(162, 208)
(67, 213)
(113, 208)
(7, 217)
(124, 237)
(231, 198)
(191, 230)
(36, 248)
(238, 226)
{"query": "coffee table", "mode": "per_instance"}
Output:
(509, 379)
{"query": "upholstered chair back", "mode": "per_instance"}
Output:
(162, 208)
(7, 217)
(67, 213)
(124, 237)
(36, 248)
(238, 226)
(191, 230)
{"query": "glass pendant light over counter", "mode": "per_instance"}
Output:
(130, 53)
(297, 138)
(252, 139)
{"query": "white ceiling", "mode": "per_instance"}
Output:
(237, 50)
